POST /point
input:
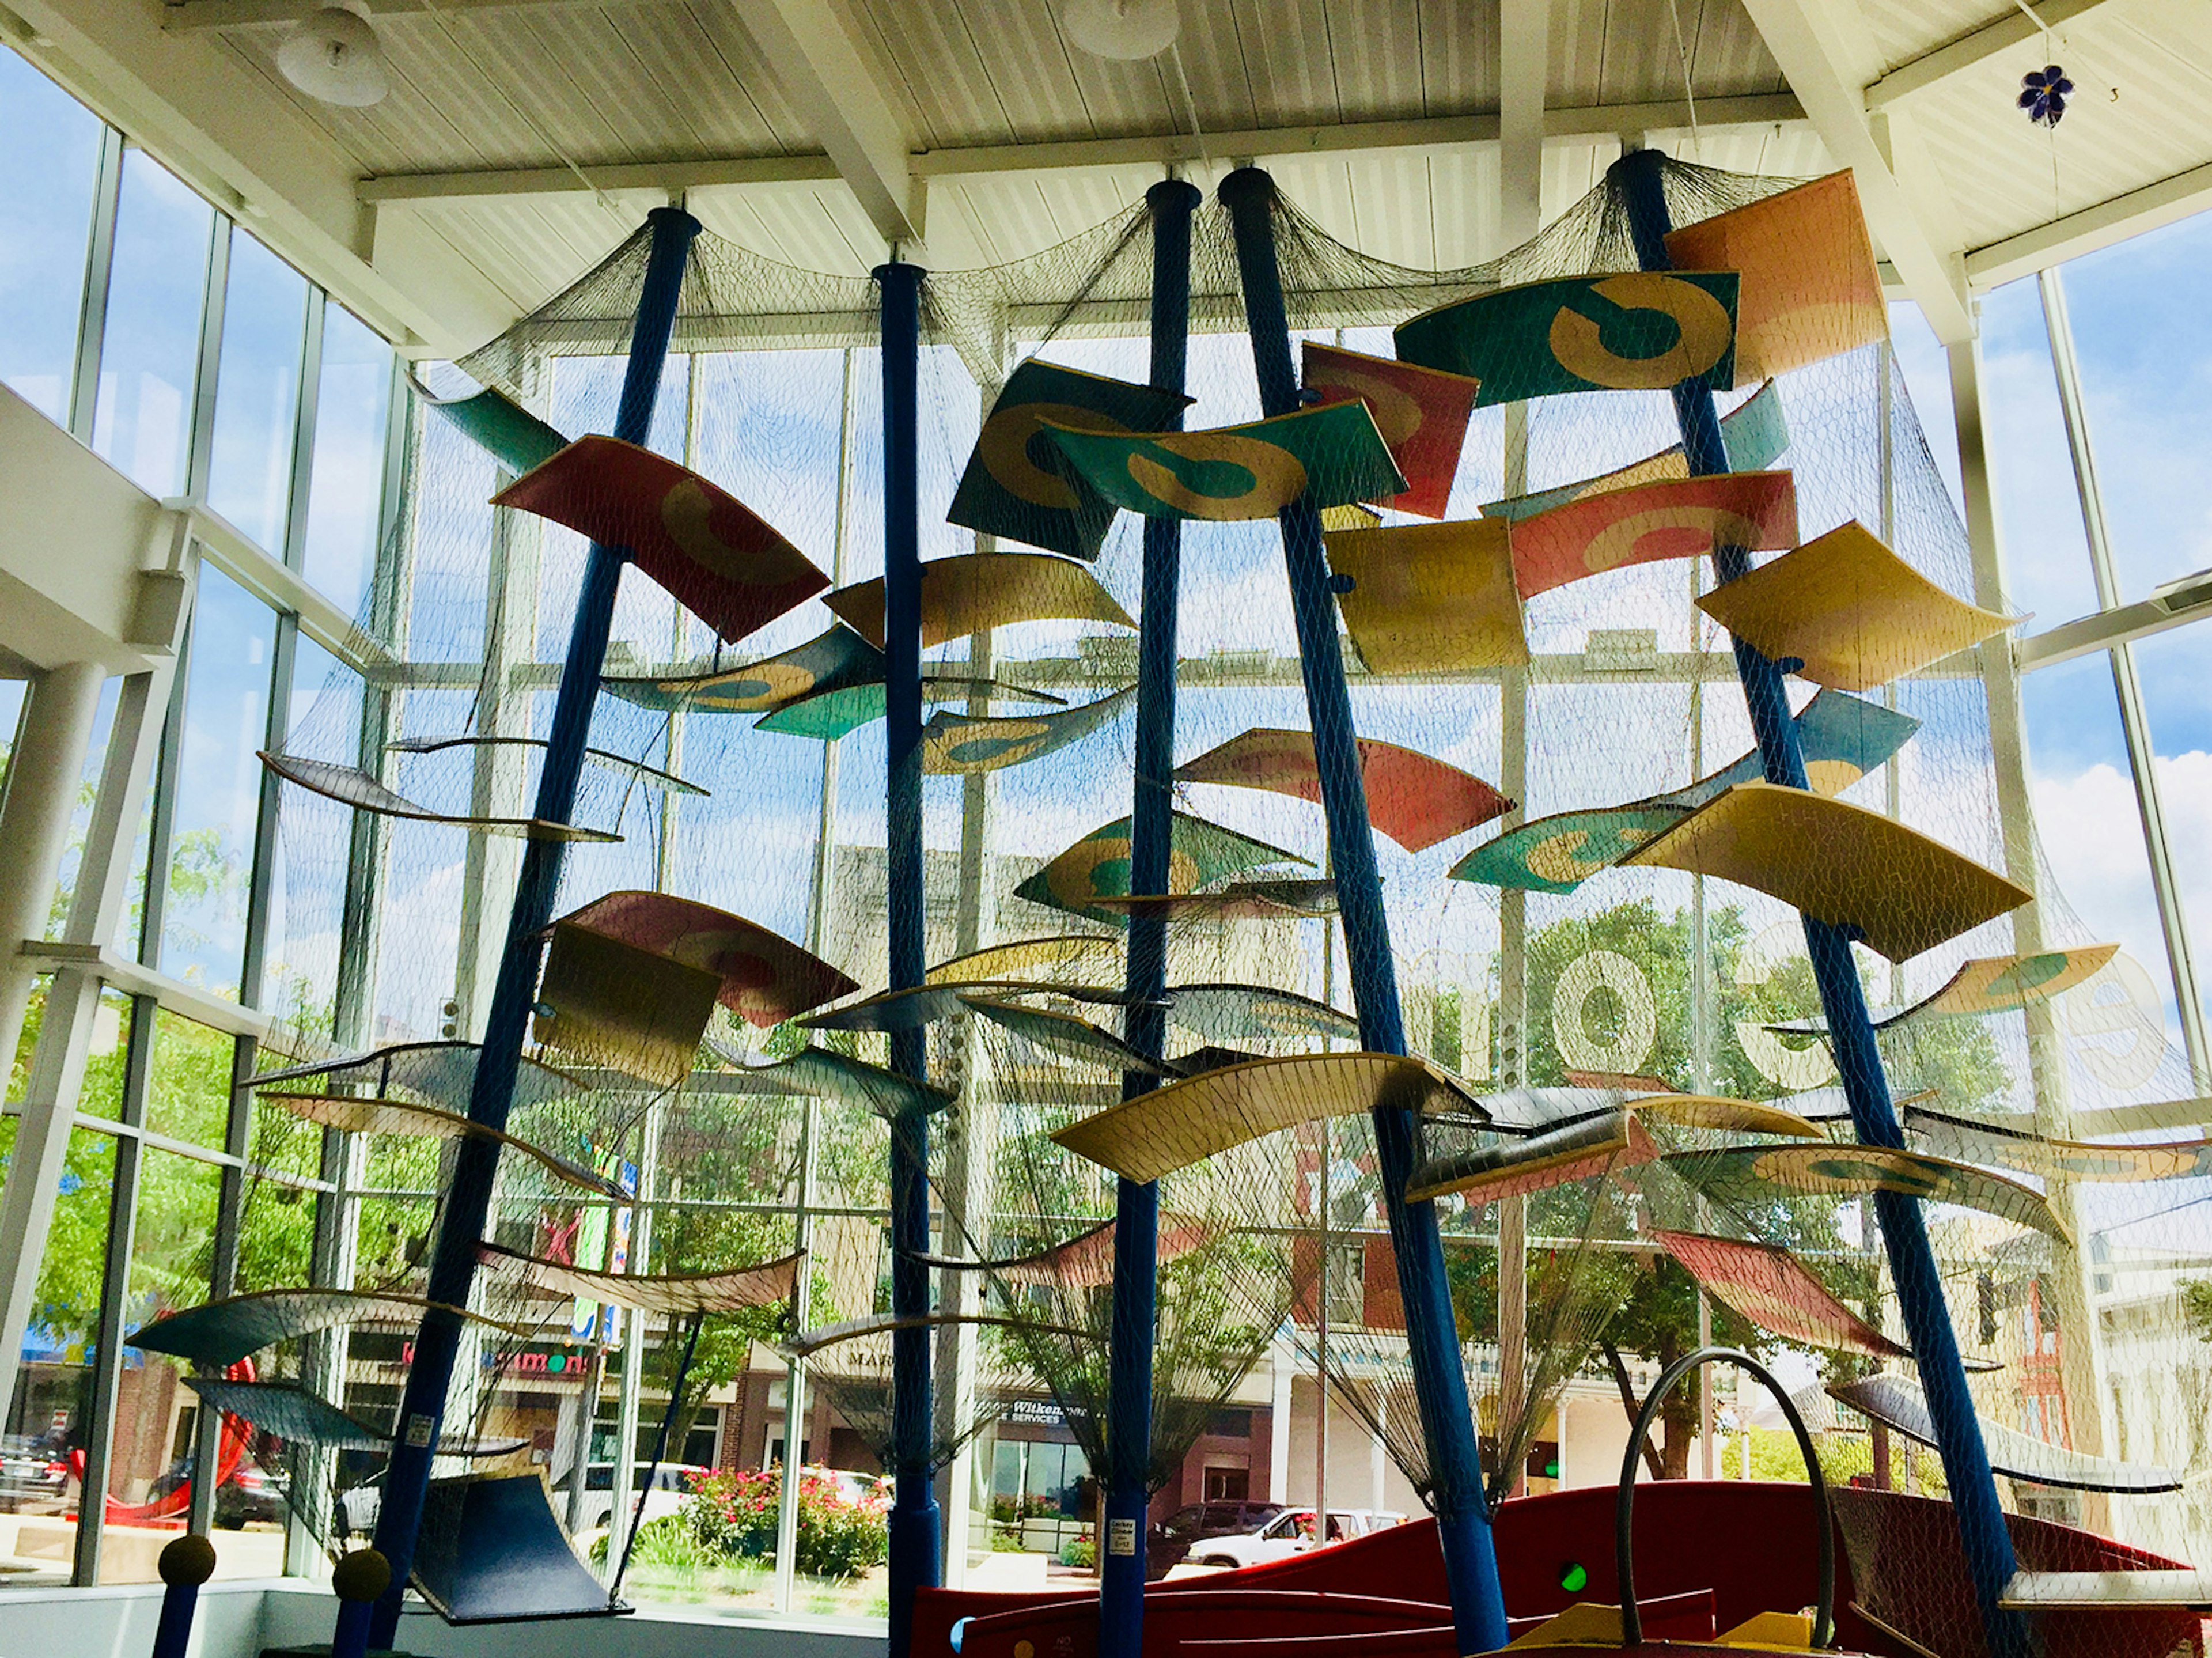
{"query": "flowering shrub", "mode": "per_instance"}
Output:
(734, 1515)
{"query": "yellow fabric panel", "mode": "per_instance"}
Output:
(970, 592)
(615, 1004)
(1771, 1632)
(1838, 863)
(356, 1114)
(1857, 614)
(1431, 597)
(1585, 1624)
(1730, 1116)
(1809, 290)
(1185, 1122)
(1086, 955)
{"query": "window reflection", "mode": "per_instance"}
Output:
(52, 142)
(150, 355)
(258, 392)
(2031, 467)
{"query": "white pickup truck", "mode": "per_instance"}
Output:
(1291, 1532)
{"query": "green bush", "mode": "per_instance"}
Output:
(733, 1516)
(667, 1541)
(1079, 1552)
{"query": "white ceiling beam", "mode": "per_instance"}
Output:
(2093, 228)
(1354, 137)
(184, 16)
(1828, 56)
(1970, 52)
(835, 92)
(1524, 32)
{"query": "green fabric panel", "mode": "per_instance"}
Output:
(824, 1073)
(959, 743)
(1329, 455)
(1018, 484)
(1239, 1013)
(1097, 866)
(1511, 339)
(834, 660)
(503, 428)
(829, 716)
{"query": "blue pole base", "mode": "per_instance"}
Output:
(1478, 1597)
(349, 1639)
(917, 1554)
(1121, 1574)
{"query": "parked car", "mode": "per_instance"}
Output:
(671, 1484)
(33, 1476)
(1173, 1538)
(252, 1494)
(1289, 1532)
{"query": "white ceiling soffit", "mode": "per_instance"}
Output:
(817, 131)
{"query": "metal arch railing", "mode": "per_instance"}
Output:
(1632, 1622)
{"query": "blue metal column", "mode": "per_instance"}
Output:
(1137, 1208)
(1431, 1333)
(468, 1199)
(916, 1556)
(1987, 1543)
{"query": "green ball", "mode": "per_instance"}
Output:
(1574, 1577)
(189, 1560)
(363, 1574)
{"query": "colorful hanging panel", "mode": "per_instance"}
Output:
(1900, 891)
(1773, 1288)
(1066, 1035)
(830, 661)
(498, 425)
(1240, 900)
(1685, 517)
(1186, 1122)
(1329, 455)
(1897, 1402)
(889, 1011)
(1809, 287)
(1421, 414)
(671, 1293)
(1851, 611)
(1755, 433)
(442, 1072)
(1414, 800)
(1586, 1151)
(1249, 1013)
(1097, 866)
(1429, 598)
(1079, 952)
(824, 1073)
(716, 556)
(360, 1114)
(1759, 1173)
(289, 1412)
(1640, 331)
(351, 786)
(828, 715)
(963, 743)
(763, 977)
(1018, 485)
(1988, 984)
(2051, 1159)
(606, 1001)
(216, 1334)
(970, 592)
(1841, 738)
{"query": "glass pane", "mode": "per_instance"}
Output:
(149, 357)
(42, 1452)
(2142, 311)
(2046, 557)
(53, 144)
(218, 785)
(1927, 370)
(313, 855)
(150, 1456)
(257, 400)
(188, 1091)
(2171, 669)
(87, 793)
(345, 497)
(2086, 819)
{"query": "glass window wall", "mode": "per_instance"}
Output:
(52, 144)
(150, 350)
(257, 402)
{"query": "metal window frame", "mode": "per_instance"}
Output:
(2127, 687)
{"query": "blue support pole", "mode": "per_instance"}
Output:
(916, 1554)
(468, 1199)
(1431, 1332)
(1986, 1542)
(1137, 1207)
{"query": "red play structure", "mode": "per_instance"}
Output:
(171, 1506)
